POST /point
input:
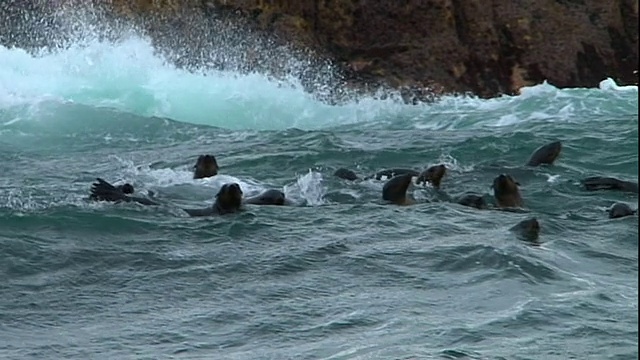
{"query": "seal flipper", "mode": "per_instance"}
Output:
(104, 191)
(395, 190)
(545, 154)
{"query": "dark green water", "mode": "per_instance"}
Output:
(340, 276)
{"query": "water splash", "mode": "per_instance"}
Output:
(308, 188)
(115, 66)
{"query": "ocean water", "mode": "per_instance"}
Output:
(340, 275)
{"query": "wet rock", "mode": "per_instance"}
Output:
(423, 48)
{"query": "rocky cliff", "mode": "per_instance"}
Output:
(486, 47)
(483, 46)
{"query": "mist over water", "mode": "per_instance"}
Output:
(341, 275)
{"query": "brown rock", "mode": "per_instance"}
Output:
(487, 47)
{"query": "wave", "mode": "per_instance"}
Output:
(130, 77)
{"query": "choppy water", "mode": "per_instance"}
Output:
(343, 275)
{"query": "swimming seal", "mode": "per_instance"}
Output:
(506, 191)
(472, 200)
(268, 197)
(345, 174)
(103, 191)
(527, 230)
(228, 200)
(96, 195)
(432, 175)
(395, 190)
(206, 166)
(608, 183)
(126, 188)
(390, 173)
(619, 210)
(545, 154)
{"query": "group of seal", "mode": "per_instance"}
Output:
(506, 189)
(228, 199)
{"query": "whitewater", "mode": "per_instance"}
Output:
(342, 275)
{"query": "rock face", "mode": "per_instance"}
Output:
(486, 47)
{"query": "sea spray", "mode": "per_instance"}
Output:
(323, 278)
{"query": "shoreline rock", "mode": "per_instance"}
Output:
(421, 48)
(487, 48)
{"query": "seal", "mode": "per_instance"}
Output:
(432, 175)
(268, 197)
(609, 183)
(395, 190)
(104, 191)
(228, 200)
(619, 210)
(390, 173)
(472, 200)
(206, 166)
(527, 230)
(126, 188)
(345, 174)
(506, 191)
(545, 154)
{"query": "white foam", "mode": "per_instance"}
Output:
(452, 164)
(308, 187)
(552, 178)
(128, 75)
(609, 84)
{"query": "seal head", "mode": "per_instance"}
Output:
(228, 199)
(545, 154)
(126, 188)
(527, 230)
(433, 175)
(346, 174)
(506, 191)
(395, 190)
(619, 210)
(268, 197)
(206, 166)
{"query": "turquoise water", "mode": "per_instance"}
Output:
(342, 275)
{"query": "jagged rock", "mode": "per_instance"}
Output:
(422, 47)
(486, 47)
